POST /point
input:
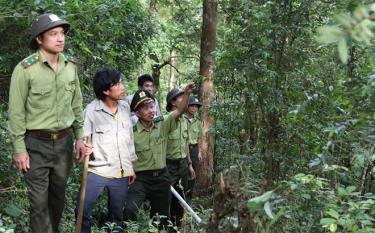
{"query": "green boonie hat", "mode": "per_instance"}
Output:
(194, 101)
(43, 23)
(141, 97)
(174, 93)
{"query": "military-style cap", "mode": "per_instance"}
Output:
(194, 101)
(141, 97)
(43, 23)
(172, 94)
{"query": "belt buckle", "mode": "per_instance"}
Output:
(155, 174)
(54, 136)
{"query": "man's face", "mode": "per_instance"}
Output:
(148, 86)
(52, 40)
(192, 109)
(146, 112)
(116, 92)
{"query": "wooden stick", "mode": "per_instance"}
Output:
(83, 190)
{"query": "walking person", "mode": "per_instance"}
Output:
(107, 121)
(151, 138)
(45, 116)
(179, 164)
(195, 135)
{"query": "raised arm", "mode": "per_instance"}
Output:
(185, 98)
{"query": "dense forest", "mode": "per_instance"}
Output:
(288, 95)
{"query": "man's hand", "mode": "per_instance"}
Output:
(191, 173)
(190, 87)
(80, 150)
(132, 179)
(22, 161)
(88, 148)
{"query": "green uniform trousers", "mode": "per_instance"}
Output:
(178, 171)
(50, 162)
(154, 186)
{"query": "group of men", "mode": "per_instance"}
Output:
(135, 152)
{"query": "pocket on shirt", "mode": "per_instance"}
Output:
(104, 134)
(174, 135)
(40, 97)
(142, 147)
(69, 90)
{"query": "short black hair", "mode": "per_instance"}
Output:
(144, 78)
(103, 80)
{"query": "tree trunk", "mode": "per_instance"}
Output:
(172, 71)
(207, 61)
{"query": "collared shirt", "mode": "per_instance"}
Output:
(195, 129)
(134, 117)
(42, 99)
(151, 144)
(112, 139)
(177, 140)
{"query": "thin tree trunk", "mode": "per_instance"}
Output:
(207, 61)
(172, 71)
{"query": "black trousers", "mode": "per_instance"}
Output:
(152, 186)
(193, 150)
(50, 163)
(178, 171)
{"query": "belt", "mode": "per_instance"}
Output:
(152, 172)
(48, 135)
(176, 161)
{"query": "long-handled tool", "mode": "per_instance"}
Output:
(185, 205)
(83, 190)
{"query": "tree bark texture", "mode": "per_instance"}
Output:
(207, 94)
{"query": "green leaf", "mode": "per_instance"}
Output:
(333, 227)
(257, 203)
(328, 34)
(333, 213)
(343, 50)
(350, 189)
(267, 209)
(327, 221)
(13, 210)
(342, 192)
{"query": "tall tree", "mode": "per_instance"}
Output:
(207, 61)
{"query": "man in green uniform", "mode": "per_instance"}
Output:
(195, 134)
(150, 139)
(45, 115)
(178, 158)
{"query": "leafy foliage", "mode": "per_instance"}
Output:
(293, 113)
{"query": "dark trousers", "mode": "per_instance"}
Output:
(117, 192)
(178, 171)
(193, 150)
(153, 186)
(50, 163)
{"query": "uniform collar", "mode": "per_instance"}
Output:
(101, 106)
(44, 60)
(140, 127)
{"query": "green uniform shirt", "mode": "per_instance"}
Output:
(151, 144)
(177, 140)
(42, 99)
(195, 130)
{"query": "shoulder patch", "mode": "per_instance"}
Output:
(30, 60)
(158, 118)
(70, 58)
